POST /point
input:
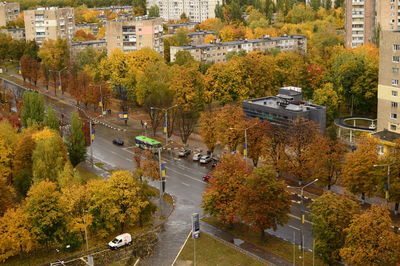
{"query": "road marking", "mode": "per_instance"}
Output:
(185, 184)
(186, 175)
(295, 201)
(119, 155)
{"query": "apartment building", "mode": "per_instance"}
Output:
(216, 52)
(389, 78)
(196, 37)
(172, 28)
(98, 45)
(285, 107)
(195, 10)
(134, 34)
(8, 12)
(88, 27)
(49, 23)
(15, 33)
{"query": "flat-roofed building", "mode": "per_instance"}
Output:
(172, 28)
(8, 12)
(49, 23)
(285, 107)
(99, 45)
(135, 34)
(216, 52)
(15, 33)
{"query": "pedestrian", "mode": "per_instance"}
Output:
(141, 122)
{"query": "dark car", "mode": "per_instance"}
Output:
(207, 178)
(183, 152)
(118, 142)
(214, 162)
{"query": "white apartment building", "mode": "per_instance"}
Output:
(49, 23)
(195, 10)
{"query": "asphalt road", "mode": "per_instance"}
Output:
(184, 182)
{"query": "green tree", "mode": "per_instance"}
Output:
(16, 234)
(46, 212)
(331, 214)
(260, 187)
(300, 13)
(219, 197)
(370, 239)
(49, 157)
(328, 97)
(33, 108)
(154, 11)
(359, 174)
(76, 141)
(183, 58)
(51, 120)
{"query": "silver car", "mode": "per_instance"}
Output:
(197, 156)
(205, 159)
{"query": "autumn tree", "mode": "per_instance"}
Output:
(295, 159)
(219, 197)
(230, 125)
(17, 236)
(22, 163)
(7, 198)
(370, 239)
(49, 157)
(30, 68)
(331, 214)
(359, 174)
(154, 11)
(33, 108)
(328, 97)
(257, 139)
(76, 141)
(260, 187)
(208, 129)
(55, 56)
(150, 166)
(115, 203)
(8, 139)
(46, 212)
(50, 119)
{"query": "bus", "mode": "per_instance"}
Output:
(146, 143)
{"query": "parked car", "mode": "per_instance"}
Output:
(118, 142)
(205, 159)
(120, 241)
(207, 178)
(184, 152)
(197, 156)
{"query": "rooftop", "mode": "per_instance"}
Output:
(387, 135)
(271, 39)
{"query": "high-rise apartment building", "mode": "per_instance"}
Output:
(49, 23)
(134, 34)
(195, 10)
(389, 78)
(366, 18)
(360, 22)
(8, 12)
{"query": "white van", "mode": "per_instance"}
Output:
(120, 241)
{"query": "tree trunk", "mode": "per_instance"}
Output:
(396, 208)
(362, 197)
(329, 186)
(262, 236)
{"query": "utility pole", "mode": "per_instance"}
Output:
(165, 119)
(91, 141)
(84, 221)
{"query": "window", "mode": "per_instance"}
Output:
(396, 47)
(394, 104)
(393, 127)
(394, 93)
(396, 59)
(380, 149)
(118, 37)
(393, 116)
(395, 70)
(395, 82)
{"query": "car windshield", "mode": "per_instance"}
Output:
(115, 240)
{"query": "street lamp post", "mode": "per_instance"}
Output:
(59, 78)
(245, 150)
(303, 212)
(166, 119)
(86, 238)
(387, 181)
(294, 243)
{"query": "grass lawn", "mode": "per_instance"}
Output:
(272, 244)
(210, 251)
(85, 174)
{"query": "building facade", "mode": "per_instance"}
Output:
(359, 22)
(389, 78)
(8, 12)
(195, 10)
(216, 52)
(98, 45)
(49, 23)
(285, 107)
(132, 35)
(88, 27)
(172, 28)
(15, 33)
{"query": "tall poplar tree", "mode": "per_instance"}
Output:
(76, 141)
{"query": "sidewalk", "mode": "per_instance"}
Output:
(243, 246)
